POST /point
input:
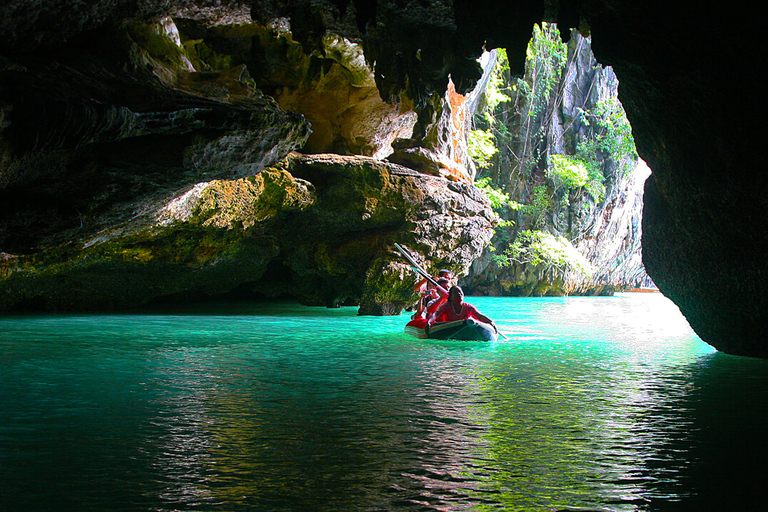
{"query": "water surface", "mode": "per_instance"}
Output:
(601, 403)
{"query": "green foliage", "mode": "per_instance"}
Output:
(481, 147)
(497, 92)
(573, 172)
(596, 189)
(497, 198)
(483, 143)
(611, 116)
(539, 204)
(541, 248)
(613, 137)
(517, 122)
(546, 57)
(567, 172)
(547, 45)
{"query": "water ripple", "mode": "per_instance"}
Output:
(590, 404)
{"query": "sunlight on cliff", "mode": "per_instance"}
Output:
(555, 149)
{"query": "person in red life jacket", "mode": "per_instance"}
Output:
(433, 298)
(456, 309)
(427, 295)
(442, 296)
(422, 285)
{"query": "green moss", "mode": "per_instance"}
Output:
(150, 38)
(246, 202)
(137, 254)
(240, 30)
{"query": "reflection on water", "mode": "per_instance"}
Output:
(607, 403)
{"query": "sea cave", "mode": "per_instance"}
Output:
(202, 274)
(113, 116)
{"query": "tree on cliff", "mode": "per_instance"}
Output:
(557, 144)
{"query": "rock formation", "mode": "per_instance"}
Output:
(691, 83)
(317, 228)
(696, 111)
(163, 186)
(565, 238)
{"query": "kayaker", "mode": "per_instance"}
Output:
(432, 299)
(427, 295)
(421, 286)
(456, 309)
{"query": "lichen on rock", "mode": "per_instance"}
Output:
(318, 228)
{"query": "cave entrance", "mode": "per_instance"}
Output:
(555, 152)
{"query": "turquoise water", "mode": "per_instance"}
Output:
(600, 403)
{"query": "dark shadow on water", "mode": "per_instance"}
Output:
(251, 307)
(727, 466)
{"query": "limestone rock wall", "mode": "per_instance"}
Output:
(117, 123)
(317, 228)
(608, 232)
(145, 169)
(697, 111)
(605, 230)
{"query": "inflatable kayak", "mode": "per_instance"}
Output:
(466, 330)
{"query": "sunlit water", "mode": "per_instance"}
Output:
(608, 403)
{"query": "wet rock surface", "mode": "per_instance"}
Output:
(100, 132)
(319, 228)
(699, 131)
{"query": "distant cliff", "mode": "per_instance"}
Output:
(566, 159)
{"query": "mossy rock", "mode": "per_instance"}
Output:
(324, 238)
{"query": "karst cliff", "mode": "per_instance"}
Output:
(112, 114)
(565, 157)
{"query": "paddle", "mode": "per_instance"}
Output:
(418, 268)
(506, 338)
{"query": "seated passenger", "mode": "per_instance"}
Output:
(421, 286)
(427, 296)
(441, 298)
(432, 298)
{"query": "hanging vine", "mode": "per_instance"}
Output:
(516, 134)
